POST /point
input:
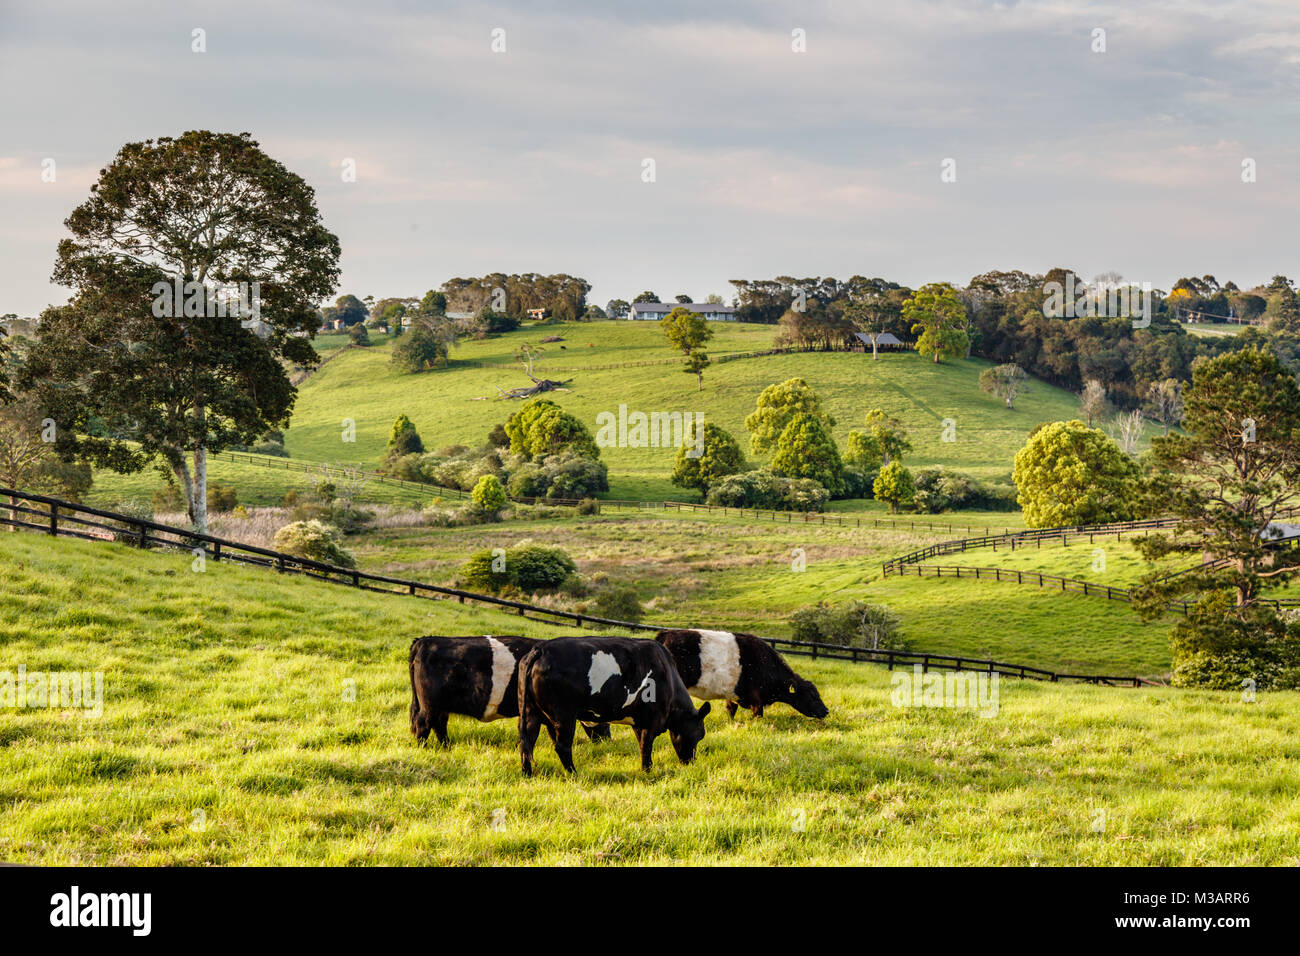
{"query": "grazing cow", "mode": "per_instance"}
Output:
(610, 679)
(740, 669)
(474, 676)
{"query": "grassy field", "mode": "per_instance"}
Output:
(227, 738)
(739, 574)
(459, 405)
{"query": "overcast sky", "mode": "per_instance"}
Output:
(767, 161)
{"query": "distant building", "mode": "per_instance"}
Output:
(657, 310)
(884, 340)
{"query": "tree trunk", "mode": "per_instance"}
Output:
(699, 377)
(199, 511)
(875, 351)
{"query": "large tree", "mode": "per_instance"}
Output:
(1233, 472)
(777, 406)
(937, 315)
(129, 372)
(717, 455)
(885, 440)
(1070, 474)
(1005, 381)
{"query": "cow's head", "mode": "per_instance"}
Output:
(688, 733)
(804, 698)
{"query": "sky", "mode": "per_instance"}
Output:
(767, 161)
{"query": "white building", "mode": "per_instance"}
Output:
(657, 310)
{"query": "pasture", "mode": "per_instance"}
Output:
(228, 737)
(460, 404)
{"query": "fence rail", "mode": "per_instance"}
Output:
(1075, 585)
(1029, 536)
(60, 518)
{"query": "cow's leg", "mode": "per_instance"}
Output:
(439, 724)
(756, 710)
(596, 731)
(564, 743)
(530, 725)
(645, 736)
(731, 709)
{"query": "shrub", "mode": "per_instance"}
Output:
(221, 497)
(764, 490)
(315, 541)
(588, 506)
(856, 624)
(359, 335)
(531, 568)
(485, 571)
(168, 498)
(572, 476)
(535, 567)
(488, 495)
(619, 604)
(132, 509)
(404, 439)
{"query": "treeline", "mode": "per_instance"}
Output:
(1006, 323)
(564, 297)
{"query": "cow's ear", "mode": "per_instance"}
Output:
(703, 711)
(793, 688)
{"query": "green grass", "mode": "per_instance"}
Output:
(459, 405)
(224, 694)
(738, 574)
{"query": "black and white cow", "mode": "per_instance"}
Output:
(741, 669)
(473, 676)
(608, 679)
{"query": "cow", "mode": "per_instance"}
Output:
(622, 680)
(741, 669)
(473, 676)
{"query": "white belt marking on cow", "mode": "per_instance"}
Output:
(719, 666)
(602, 667)
(503, 668)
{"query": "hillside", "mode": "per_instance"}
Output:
(227, 738)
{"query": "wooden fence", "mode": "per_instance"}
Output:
(56, 517)
(1075, 585)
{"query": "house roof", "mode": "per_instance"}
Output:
(669, 306)
(883, 338)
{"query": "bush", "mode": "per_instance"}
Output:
(488, 495)
(572, 476)
(531, 568)
(221, 497)
(534, 567)
(168, 498)
(315, 541)
(588, 506)
(858, 481)
(359, 335)
(132, 509)
(856, 624)
(619, 604)
(764, 490)
(272, 448)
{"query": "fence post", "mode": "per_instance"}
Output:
(54, 520)
(144, 536)
(216, 551)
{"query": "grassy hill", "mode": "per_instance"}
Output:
(460, 404)
(226, 738)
